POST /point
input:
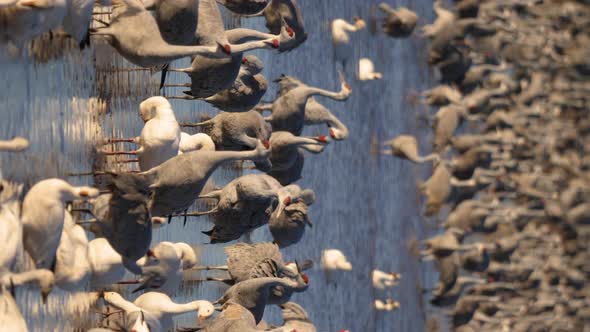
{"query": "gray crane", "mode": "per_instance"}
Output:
(248, 261)
(124, 219)
(145, 47)
(296, 318)
(278, 11)
(210, 75)
(246, 91)
(399, 23)
(288, 110)
(318, 114)
(176, 184)
(285, 155)
(245, 204)
(233, 318)
(288, 228)
(235, 131)
(406, 146)
(253, 294)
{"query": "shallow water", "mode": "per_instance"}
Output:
(366, 205)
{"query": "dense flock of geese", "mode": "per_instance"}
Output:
(514, 182)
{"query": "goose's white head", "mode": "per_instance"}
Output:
(206, 310)
(18, 144)
(65, 191)
(158, 222)
(110, 296)
(85, 193)
(164, 252)
(148, 109)
(187, 255)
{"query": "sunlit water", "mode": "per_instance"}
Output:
(367, 205)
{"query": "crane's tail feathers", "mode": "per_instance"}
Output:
(209, 232)
(163, 75)
(198, 214)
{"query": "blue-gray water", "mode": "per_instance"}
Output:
(367, 205)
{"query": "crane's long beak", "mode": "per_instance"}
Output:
(44, 296)
(140, 288)
(282, 204)
(280, 209)
(129, 282)
(12, 290)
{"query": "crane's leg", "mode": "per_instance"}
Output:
(119, 153)
(121, 140)
(185, 217)
(127, 70)
(182, 85)
(195, 214)
(183, 97)
(128, 161)
(101, 22)
(224, 280)
(212, 267)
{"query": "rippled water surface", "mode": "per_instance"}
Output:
(367, 205)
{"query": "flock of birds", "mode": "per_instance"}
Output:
(515, 179)
(513, 183)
